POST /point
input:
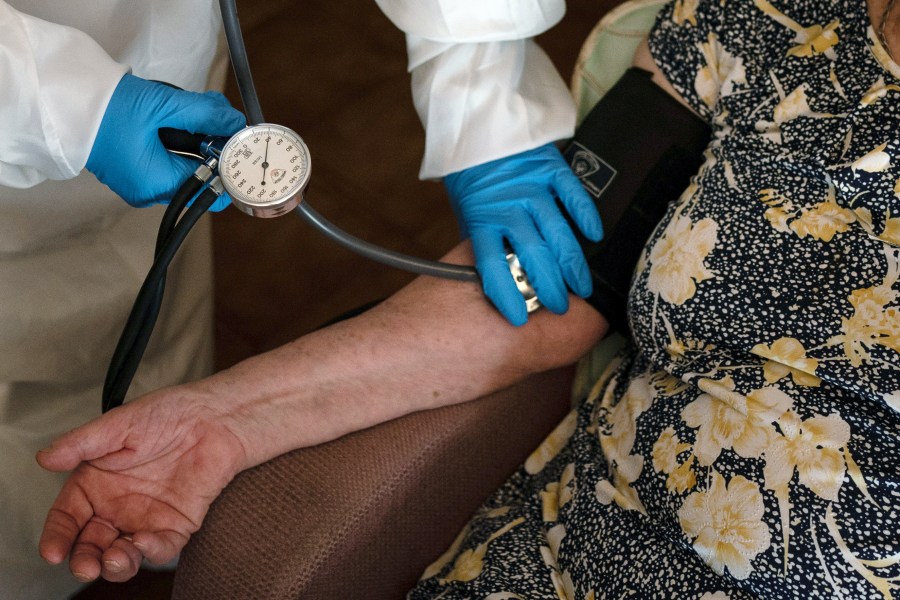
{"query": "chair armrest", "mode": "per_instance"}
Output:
(362, 516)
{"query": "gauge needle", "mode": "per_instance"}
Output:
(265, 164)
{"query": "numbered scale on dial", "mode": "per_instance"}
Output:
(265, 169)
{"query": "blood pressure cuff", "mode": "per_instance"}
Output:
(634, 152)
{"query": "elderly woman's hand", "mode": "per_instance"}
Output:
(144, 477)
(146, 473)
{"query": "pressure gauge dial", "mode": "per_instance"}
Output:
(265, 169)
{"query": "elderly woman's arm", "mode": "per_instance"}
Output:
(145, 473)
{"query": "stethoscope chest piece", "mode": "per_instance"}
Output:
(265, 169)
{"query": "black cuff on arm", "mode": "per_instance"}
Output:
(635, 152)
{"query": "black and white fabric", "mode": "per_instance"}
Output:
(745, 445)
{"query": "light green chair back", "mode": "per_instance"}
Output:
(608, 50)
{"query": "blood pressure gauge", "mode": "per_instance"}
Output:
(265, 169)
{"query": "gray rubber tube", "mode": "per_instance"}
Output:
(241, 66)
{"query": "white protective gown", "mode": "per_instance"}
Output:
(72, 254)
(482, 87)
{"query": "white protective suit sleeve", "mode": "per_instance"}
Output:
(482, 87)
(57, 82)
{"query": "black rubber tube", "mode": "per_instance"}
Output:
(398, 260)
(239, 62)
(131, 329)
(145, 311)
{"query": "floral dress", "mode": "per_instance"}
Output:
(745, 445)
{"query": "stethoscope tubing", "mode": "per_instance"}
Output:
(247, 89)
(135, 336)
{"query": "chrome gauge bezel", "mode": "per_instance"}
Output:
(241, 159)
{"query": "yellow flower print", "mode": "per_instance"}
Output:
(890, 230)
(467, 566)
(677, 349)
(778, 218)
(493, 513)
(726, 525)
(470, 563)
(667, 385)
(726, 419)
(811, 40)
(878, 91)
(623, 416)
(884, 584)
(722, 71)
(795, 105)
(620, 492)
(787, 356)
(625, 468)
(816, 39)
(563, 584)
(680, 474)
(864, 217)
(780, 209)
(562, 581)
(812, 448)
(873, 323)
(836, 83)
(690, 192)
(555, 537)
(558, 493)
(682, 478)
(666, 450)
(873, 161)
(676, 260)
(685, 11)
(790, 107)
(823, 221)
(552, 445)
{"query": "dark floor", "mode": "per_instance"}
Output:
(336, 73)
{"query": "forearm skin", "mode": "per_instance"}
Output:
(434, 343)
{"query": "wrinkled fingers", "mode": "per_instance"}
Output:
(95, 538)
(160, 547)
(121, 560)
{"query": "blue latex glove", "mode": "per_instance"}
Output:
(127, 155)
(513, 199)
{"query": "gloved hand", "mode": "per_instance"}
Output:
(513, 199)
(127, 155)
